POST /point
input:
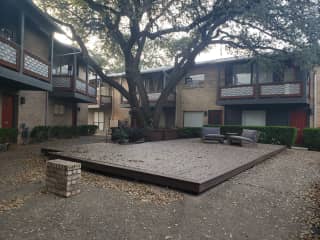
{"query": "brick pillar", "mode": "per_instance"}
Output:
(63, 177)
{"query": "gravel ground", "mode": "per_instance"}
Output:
(278, 199)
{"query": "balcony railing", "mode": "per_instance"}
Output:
(65, 82)
(81, 86)
(9, 54)
(266, 90)
(242, 91)
(153, 97)
(105, 100)
(92, 91)
(33, 65)
(290, 89)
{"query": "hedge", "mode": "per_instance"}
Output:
(189, 132)
(311, 138)
(43, 133)
(130, 134)
(8, 135)
(269, 134)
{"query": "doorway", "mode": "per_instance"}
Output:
(298, 119)
(7, 111)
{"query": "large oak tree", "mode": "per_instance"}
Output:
(180, 30)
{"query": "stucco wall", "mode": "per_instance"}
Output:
(200, 98)
(64, 119)
(36, 42)
(82, 117)
(119, 113)
(32, 113)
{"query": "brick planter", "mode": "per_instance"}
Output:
(161, 134)
(170, 134)
(63, 177)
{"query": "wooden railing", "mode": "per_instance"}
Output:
(9, 54)
(33, 65)
(265, 90)
(287, 89)
(236, 92)
(105, 100)
(153, 97)
(65, 82)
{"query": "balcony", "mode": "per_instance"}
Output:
(76, 89)
(284, 92)
(34, 71)
(102, 102)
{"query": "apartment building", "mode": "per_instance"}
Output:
(239, 91)
(42, 82)
(154, 81)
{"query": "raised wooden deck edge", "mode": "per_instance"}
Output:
(157, 179)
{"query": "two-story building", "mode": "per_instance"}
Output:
(240, 91)
(29, 59)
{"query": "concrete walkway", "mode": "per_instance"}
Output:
(278, 199)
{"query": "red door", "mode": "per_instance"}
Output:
(298, 119)
(7, 111)
(215, 117)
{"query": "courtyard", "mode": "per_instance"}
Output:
(185, 164)
(277, 199)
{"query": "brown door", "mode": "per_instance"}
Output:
(298, 119)
(7, 111)
(215, 117)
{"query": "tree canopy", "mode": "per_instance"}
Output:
(141, 33)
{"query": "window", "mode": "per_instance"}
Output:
(194, 80)
(98, 120)
(253, 118)
(193, 119)
(8, 34)
(268, 74)
(239, 74)
(63, 70)
(58, 109)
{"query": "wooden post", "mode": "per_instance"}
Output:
(22, 31)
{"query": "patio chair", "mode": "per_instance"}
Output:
(247, 136)
(210, 134)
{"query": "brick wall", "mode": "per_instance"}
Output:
(198, 98)
(32, 113)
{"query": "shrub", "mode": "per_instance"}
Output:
(269, 134)
(39, 133)
(131, 134)
(8, 135)
(311, 138)
(189, 132)
(87, 130)
(43, 133)
(118, 135)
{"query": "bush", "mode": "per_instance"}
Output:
(8, 135)
(130, 134)
(311, 138)
(87, 130)
(43, 133)
(189, 132)
(269, 134)
(40, 133)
